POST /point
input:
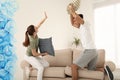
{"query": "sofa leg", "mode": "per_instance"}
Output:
(26, 73)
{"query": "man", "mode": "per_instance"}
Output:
(89, 56)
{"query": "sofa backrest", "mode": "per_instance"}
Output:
(65, 57)
(101, 56)
(62, 58)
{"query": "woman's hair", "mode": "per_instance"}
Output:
(30, 31)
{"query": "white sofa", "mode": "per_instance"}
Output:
(59, 69)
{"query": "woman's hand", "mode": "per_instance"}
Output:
(44, 54)
(45, 15)
(42, 21)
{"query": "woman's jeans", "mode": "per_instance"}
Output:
(39, 63)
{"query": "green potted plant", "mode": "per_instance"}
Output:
(76, 41)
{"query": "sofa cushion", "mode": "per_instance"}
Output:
(34, 78)
(84, 73)
(62, 58)
(54, 78)
(78, 79)
(101, 56)
(50, 72)
(57, 72)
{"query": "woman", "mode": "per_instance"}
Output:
(32, 56)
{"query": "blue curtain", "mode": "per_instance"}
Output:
(7, 51)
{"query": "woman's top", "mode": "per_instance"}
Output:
(33, 45)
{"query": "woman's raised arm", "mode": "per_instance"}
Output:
(42, 21)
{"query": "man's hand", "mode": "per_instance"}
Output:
(71, 9)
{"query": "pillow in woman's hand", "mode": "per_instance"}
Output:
(45, 45)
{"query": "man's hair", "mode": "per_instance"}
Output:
(81, 15)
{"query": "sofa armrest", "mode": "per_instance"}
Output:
(24, 64)
(111, 65)
(26, 68)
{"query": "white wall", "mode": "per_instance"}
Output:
(102, 3)
(57, 25)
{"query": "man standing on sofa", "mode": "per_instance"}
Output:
(89, 56)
